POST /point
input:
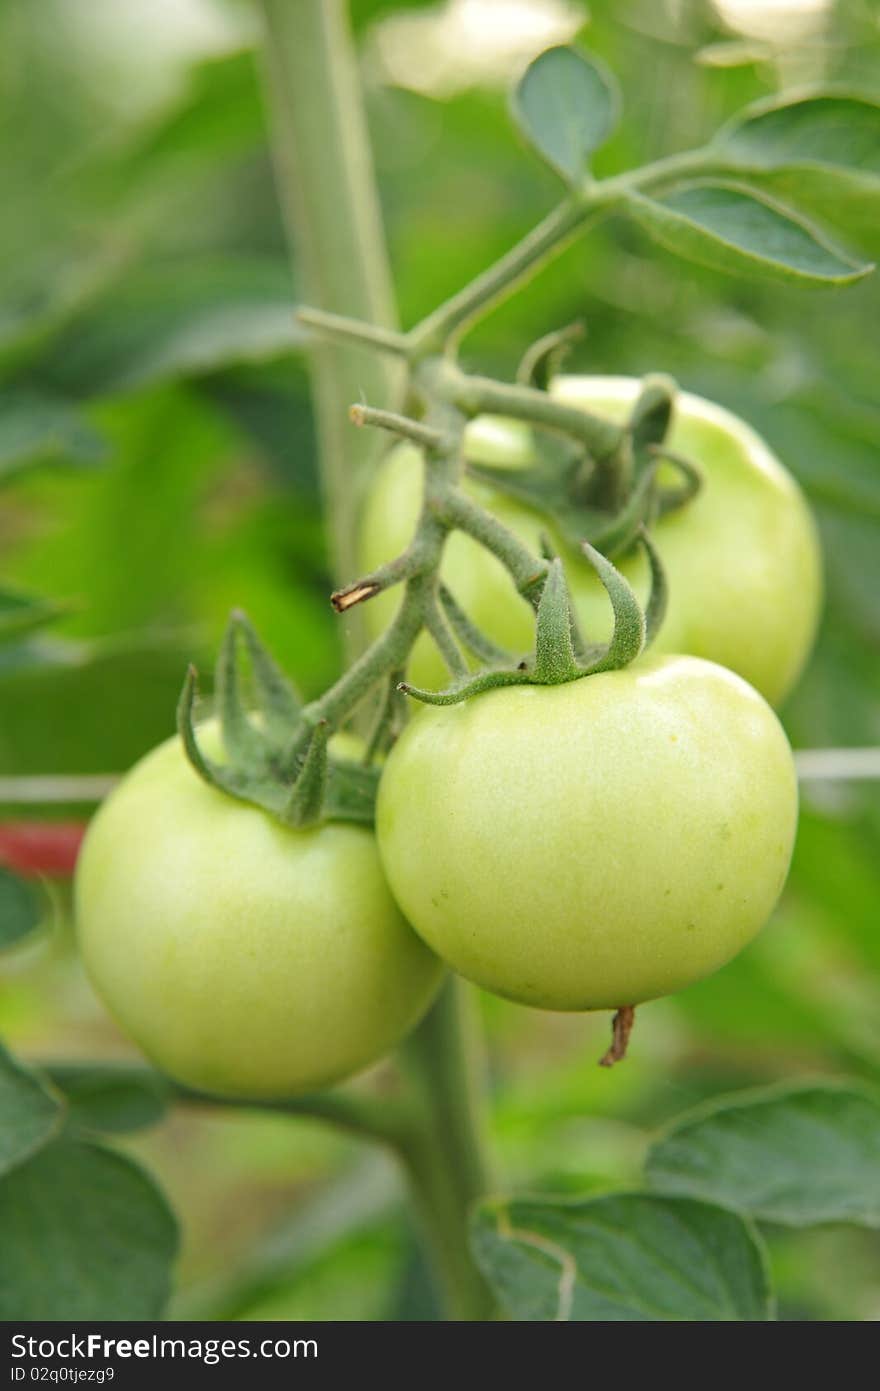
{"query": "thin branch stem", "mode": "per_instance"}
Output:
(483, 396)
(443, 328)
(424, 435)
(527, 571)
(452, 320)
(385, 1119)
(341, 329)
(440, 631)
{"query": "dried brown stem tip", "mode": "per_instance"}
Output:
(621, 1028)
(356, 594)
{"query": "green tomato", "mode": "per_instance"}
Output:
(742, 559)
(245, 958)
(594, 844)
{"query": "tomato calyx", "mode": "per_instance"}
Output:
(603, 497)
(276, 758)
(561, 653)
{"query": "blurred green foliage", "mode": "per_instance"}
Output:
(150, 364)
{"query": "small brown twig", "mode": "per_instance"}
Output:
(621, 1028)
(343, 599)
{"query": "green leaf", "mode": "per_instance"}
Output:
(30, 1115)
(630, 1257)
(729, 227)
(566, 105)
(37, 430)
(21, 910)
(798, 1156)
(22, 613)
(175, 321)
(86, 1235)
(113, 1099)
(838, 133)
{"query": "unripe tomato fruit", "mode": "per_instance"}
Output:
(742, 558)
(593, 844)
(245, 958)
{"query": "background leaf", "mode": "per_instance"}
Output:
(29, 1114)
(22, 613)
(21, 909)
(566, 106)
(110, 1098)
(632, 1257)
(728, 227)
(797, 1157)
(40, 429)
(86, 1235)
(188, 318)
(839, 134)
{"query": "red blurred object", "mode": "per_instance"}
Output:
(36, 848)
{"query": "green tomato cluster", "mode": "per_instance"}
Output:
(573, 847)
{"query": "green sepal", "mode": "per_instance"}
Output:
(658, 597)
(389, 721)
(578, 641)
(244, 784)
(317, 788)
(241, 739)
(306, 800)
(351, 791)
(670, 499)
(556, 659)
(619, 535)
(484, 681)
(628, 637)
(444, 639)
(277, 698)
(651, 415)
(186, 726)
(603, 500)
(554, 652)
(557, 485)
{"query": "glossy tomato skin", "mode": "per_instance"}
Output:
(742, 559)
(593, 844)
(245, 958)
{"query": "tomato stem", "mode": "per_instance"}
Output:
(329, 201)
(621, 1028)
(445, 1156)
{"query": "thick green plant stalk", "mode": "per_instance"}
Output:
(325, 180)
(324, 173)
